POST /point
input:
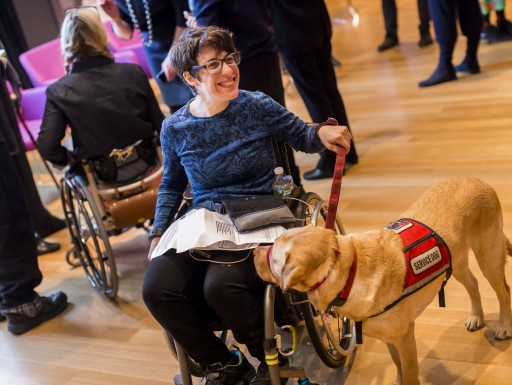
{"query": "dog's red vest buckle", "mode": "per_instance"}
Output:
(426, 254)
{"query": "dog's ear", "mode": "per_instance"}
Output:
(291, 276)
(260, 262)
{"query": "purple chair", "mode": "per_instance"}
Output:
(44, 64)
(118, 45)
(33, 101)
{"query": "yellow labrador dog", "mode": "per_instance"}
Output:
(364, 275)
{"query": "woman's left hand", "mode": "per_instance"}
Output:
(334, 136)
(170, 74)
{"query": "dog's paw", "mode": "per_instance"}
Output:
(474, 323)
(502, 332)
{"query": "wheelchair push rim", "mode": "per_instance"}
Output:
(89, 236)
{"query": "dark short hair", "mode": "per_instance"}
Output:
(183, 53)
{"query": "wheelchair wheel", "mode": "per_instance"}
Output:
(89, 237)
(332, 335)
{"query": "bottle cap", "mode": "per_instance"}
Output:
(278, 170)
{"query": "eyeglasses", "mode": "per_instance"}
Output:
(70, 10)
(215, 65)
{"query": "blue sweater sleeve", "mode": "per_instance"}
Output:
(173, 184)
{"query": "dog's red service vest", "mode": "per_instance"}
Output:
(426, 254)
(426, 257)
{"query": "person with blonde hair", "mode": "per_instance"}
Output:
(107, 105)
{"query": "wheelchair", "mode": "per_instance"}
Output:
(332, 335)
(95, 210)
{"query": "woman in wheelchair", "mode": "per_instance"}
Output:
(107, 105)
(221, 141)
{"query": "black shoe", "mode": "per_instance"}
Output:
(51, 307)
(263, 376)
(236, 372)
(319, 173)
(505, 27)
(440, 75)
(44, 247)
(389, 42)
(492, 34)
(425, 40)
(2, 318)
(469, 66)
(54, 224)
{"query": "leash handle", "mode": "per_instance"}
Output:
(336, 180)
(335, 188)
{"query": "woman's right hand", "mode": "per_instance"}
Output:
(152, 246)
(110, 8)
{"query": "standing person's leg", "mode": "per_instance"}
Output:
(389, 12)
(444, 17)
(471, 22)
(262, 72)
(424, 14)
(19, 270)
(316, 82)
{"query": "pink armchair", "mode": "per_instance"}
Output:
(44, 64)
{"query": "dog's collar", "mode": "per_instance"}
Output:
(269, 250)
(342, 296)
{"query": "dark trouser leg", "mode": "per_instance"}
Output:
(173, 292)
(424, 15)
(470, 20)
(444, 17)
(263, 73)
(42, 219)
(315, 79)
(19, 271)
(235, 292)
(389, 12)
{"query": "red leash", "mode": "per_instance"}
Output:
(336, 184)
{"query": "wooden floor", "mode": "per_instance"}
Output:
(407, 138)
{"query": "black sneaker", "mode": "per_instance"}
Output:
(263, 376)
(51, 307)
(236, 372)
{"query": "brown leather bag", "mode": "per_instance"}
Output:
(134, 209)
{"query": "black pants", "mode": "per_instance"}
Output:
(19, 271)
(315, 79)
(444, 15)
(181, 294)
(390, 17)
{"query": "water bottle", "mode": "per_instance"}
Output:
(283, 184)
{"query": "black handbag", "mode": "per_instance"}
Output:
(257, 211)
(126, 165)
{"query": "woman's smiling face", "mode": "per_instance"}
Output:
(221, 86)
